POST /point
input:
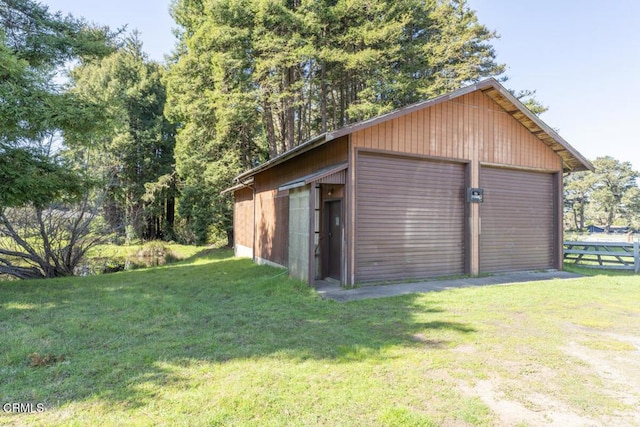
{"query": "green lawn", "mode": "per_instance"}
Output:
(124, 251)
(219, 341)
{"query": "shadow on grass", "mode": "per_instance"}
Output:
(116, 332)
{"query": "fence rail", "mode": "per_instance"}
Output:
(623, 256)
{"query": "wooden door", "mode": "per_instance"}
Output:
(333, 237)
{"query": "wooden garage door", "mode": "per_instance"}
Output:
(409, 218)
(517, 220)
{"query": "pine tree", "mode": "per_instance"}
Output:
(45, 209)
(212, 96)
(256, 76)
(614, 192)
(133, 149)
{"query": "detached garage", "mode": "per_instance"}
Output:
(466, 183)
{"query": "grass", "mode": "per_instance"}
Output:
(220, 341)
(110, 258)
(124, 251)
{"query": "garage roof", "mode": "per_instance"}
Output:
(332, 174)
(572, 160)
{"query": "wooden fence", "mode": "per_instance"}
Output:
(618, 255)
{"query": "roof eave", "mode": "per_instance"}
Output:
(572, 160)
(580, 163)
(308, 145)
(246, 184)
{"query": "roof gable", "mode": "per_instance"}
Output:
(572, 160)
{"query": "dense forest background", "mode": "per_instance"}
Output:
(99, 143)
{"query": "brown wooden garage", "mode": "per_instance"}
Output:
(410, 217)
(400, 209)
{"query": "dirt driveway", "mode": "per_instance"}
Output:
(618, 373)
(599, 365)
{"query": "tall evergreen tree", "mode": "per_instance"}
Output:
(609, 196)
(133, 150)
(34, 45)
(45, 210)
(578, 187)
(255, 76)
(614, 191)
(212, 96)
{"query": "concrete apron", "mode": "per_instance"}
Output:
(335, 292)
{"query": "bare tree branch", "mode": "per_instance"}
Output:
(51, 242)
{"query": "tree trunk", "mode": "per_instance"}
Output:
(323, 98)
(289, 110)
(64, 239)
(230, 237)
(170, 217)
(270, 128)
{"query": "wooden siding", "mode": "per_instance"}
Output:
(517, 220)
(453, 128)
(243, 218)
(272, 206)
(334, 178)
(572, 160)
(272, 226)
(331, 153)
(409, 217)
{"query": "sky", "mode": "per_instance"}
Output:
(581, 57)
